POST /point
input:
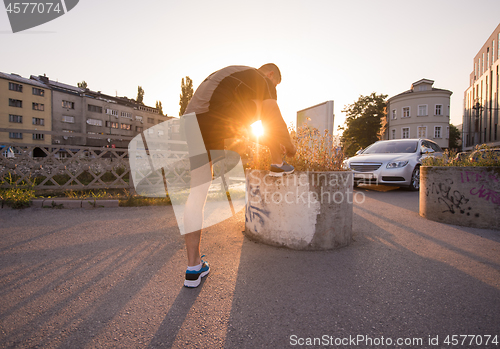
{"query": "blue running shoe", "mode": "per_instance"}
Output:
(193, 277)
(277, 171)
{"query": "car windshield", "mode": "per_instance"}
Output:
(392, 147)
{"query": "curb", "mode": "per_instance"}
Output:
(72, 203)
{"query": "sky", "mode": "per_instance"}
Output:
(326, 50)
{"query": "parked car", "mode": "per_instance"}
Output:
(460, 156)
(485, 154)
(392, 162)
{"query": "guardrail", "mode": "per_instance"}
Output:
(59, 168)
(63, 168)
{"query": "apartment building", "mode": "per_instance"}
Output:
(85, 117)
(25, 111)
(481, 105)
(421, 112)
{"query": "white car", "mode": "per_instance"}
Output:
(392, 162)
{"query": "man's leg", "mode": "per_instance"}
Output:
(193, 211)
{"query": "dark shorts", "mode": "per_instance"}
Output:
(216, 126)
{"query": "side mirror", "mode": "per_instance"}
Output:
(359, 151)
(427, 151)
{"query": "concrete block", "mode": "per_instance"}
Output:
(106, 203)
(37, 203)
(62, 203)
(466, 196)
(303, 211)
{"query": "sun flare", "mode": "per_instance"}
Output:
(257, 128)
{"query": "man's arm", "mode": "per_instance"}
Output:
(274, 126)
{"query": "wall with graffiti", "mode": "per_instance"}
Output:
(467, 196)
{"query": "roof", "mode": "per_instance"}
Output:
(18, 78)
(412, 91)
(419, 82)
(57, 85)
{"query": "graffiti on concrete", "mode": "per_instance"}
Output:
(486, 194)
(255, 211)
(453, 200)
(469, 176)
(482, 192)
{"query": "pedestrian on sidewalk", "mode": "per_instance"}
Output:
(226, 103)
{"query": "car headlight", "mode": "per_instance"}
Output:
(397, 164)
(345, 165)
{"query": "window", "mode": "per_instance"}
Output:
(437, 132)
(422, 132)
(38, 106)
(138, 118)
(67, 131)
(38, 121)
(38, 91)
(112, 124)
(38, 136)
(15, 103)
(92, 133)
(151, 120)
(447, 132)
(112, 112)
(68, 105)
(16, 135)
(124, 114)
(138, 128)
(438, 110)
(94, 108)
(406, 112)
(405, 132)
(68, 119)
(493, 51)
(422, 110)
(15, 87)
(488, 57)
(393, 115)
(94, 122)
(393, 134)
(126, 127)
(422, 88)
(16, 118)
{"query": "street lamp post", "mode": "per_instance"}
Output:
(478, 108)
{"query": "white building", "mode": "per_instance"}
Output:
(480, 119)
(421, 112)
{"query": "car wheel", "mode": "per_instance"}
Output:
(415, 179)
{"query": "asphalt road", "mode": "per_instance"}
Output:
(112, 278)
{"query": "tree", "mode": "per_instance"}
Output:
(454, 137)
(140, 95)
(159, 107)
(186, 94)
(82, 85)
(363, 122)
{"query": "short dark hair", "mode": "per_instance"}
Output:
(271, 67)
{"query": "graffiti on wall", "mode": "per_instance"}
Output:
(256, 212)
(482, 192)
(453, 200)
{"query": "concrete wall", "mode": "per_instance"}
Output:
(467, 196)
(304, 210)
